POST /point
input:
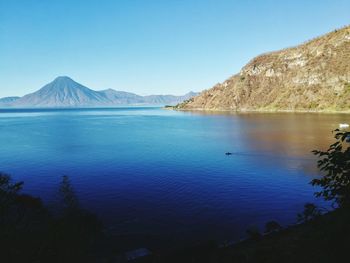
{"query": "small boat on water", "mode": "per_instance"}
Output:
(343, 125)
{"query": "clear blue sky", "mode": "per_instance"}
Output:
(150, 46)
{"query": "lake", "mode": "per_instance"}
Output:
(161, 177)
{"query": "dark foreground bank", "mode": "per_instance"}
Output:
(32, 232)
(324, 239)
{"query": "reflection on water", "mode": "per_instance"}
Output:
(294, 134)
(290, 137)
(164, 174)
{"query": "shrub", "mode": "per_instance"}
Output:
(335, 163)
(253, 232)
(272, 226)
(310, 212)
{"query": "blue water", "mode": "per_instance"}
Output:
(164, 174)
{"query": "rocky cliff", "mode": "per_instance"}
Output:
(313, 76)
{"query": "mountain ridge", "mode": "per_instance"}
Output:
(313, 76)
(65, 92)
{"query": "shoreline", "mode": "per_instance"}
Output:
(258, 111)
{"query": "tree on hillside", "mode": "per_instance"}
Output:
(335, 163)
(29, 232)
(68, 199)
(8, 195)
(8, 190)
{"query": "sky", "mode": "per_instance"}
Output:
(150, 46)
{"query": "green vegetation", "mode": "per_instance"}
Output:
(335, 163)
(346, 88)
(310, 212)
(313, 105)
(30, 232)
(168, 107)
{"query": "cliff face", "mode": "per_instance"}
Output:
(312, 76)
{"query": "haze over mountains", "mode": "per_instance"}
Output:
(65, 92)
(314, 76)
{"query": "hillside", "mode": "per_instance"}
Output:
(165, 99)
(65, 92)
(8, 100)
(314, 76)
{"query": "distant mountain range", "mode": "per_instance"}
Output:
(65, 92)
(7, 101)
(314, 76)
